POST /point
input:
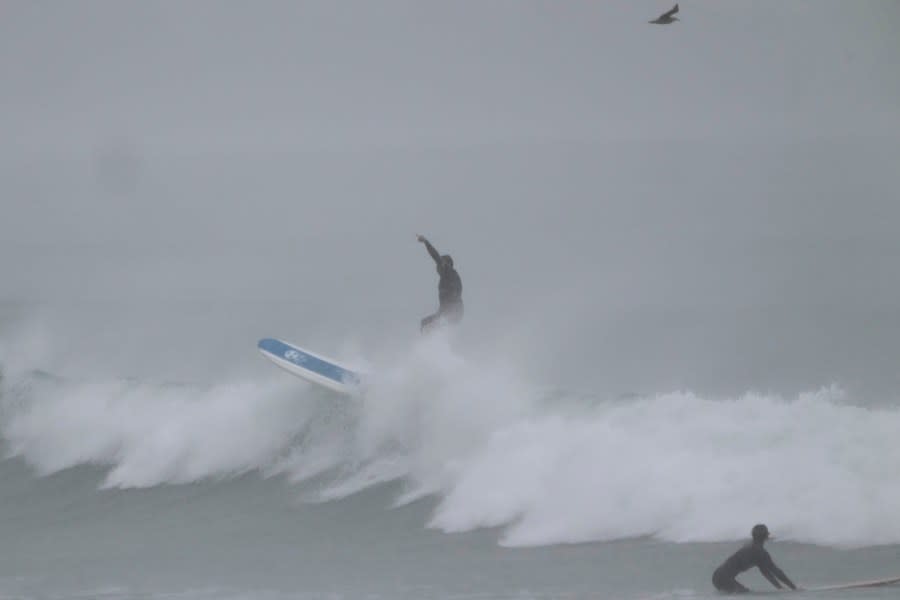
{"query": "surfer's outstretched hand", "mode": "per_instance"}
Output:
(420, 238)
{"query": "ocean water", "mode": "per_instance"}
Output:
(451, 478)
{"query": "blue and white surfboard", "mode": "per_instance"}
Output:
(314, 368)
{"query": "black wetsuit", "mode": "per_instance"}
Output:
(751, 555)
(449, 290)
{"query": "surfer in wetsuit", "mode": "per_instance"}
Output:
(449, 289)
(751, 555)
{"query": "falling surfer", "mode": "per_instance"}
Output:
(751, 555)
(450, 307)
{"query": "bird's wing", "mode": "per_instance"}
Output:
(671, 12)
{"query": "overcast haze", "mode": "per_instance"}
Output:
(709, 205)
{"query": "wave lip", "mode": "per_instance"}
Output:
(148, 434)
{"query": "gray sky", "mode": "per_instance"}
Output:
(711, 204)
(213, 74)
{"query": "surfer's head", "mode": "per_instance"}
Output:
(760, 533)
(446, 261)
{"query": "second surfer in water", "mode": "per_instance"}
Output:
(450, 306)
(751, 555)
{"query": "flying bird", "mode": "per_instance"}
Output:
(666, 17)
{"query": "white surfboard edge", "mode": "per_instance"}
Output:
(856, 584)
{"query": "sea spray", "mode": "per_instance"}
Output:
(492, 448)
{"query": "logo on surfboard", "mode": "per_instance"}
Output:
(294, 356)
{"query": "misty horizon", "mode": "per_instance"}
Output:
(708, 205)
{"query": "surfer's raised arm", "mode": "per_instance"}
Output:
(450, 308)
(431, 250)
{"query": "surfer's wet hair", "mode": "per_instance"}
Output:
(760, 533)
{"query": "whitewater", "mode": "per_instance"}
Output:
(492, 450)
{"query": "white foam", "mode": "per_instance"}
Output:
(683, 468)
(150, 434)
(482, 440)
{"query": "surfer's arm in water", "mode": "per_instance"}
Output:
(771, 572)
(780, 575)
(431, 250)
(768, 575)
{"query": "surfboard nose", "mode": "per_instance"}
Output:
(268, 344)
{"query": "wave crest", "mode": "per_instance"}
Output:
(494, 450)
